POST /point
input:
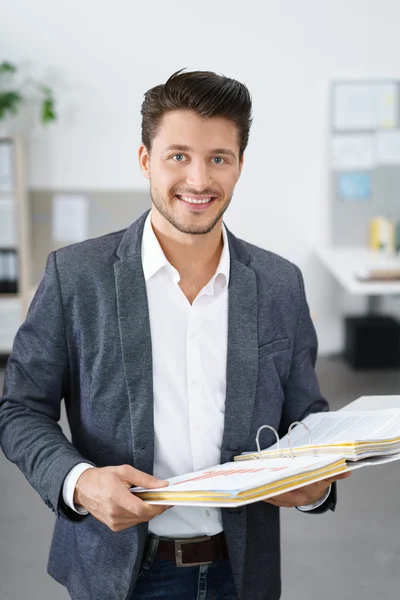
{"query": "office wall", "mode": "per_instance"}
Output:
(102, 56)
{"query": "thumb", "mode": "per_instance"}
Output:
(140, 479)
(344, 475)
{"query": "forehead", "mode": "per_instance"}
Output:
(187, 128)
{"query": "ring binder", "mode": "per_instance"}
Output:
(288, 434)
(283, 455)
(258, 438)
(361, 437)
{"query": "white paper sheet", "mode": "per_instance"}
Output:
(388, 147)
(70, 218)
(349, 426)
(365, 105)
(230, 479)
(353, 152)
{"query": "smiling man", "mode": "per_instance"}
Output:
(171, 343)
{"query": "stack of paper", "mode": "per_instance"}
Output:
(354, 435)
(233, 485)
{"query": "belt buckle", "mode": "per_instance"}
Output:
(178, 551)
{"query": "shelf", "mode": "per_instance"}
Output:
(10, 296)
(15, 235)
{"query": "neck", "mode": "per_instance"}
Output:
(192, 256)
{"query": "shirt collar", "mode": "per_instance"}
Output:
(154, 259)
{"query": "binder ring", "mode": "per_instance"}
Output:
(288, 435)
(258, 438)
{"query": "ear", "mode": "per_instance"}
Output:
(144, 161)
(241, 161)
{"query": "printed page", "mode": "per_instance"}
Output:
(233, 477)
(345, 427)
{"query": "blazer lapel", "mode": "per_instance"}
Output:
(242, 359)
(134, 328)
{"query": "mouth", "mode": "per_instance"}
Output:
(196, 203)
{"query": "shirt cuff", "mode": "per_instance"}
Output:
(69, 487)
(316, 504)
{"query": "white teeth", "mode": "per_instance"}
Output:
(195, 201)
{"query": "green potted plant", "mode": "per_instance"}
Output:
(14, 93)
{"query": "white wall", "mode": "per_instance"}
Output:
(101, 57)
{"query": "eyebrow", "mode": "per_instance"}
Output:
(182, 148)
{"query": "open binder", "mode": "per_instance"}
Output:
(230, 485)
(234, 485)
(320, 446)
(360, 437)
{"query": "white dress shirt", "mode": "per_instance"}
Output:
(189, 351)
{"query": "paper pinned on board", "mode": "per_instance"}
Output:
(354, 186)
(388, 147)
(365, 105)
(353, 151)
(70, 218)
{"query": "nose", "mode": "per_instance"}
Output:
(198, 175)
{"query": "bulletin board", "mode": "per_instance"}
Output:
(364, 151)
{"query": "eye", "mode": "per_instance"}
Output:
(219, 159)
(178, 157)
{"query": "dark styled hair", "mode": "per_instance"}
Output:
(206, 93)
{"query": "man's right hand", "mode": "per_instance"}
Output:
(104, 492)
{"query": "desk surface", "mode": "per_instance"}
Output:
(373, 403)
(345, 263)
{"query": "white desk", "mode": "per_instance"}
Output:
(344, 263)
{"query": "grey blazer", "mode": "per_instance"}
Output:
(87, 339)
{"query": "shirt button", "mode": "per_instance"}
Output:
(208, 513)
(192, 336)
(194, 381)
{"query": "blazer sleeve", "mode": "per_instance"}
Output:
(302, 393)
(36, 380)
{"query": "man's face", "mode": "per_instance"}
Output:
(193, 168)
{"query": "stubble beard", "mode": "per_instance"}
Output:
(164, 209)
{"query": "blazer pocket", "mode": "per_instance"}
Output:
(272, 347)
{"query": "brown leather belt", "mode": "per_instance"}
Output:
(193, 552)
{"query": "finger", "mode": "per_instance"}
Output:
(159, 508)
(283, 500)
(140, 479)
(278, 503)
(135, 506)
(312, 493)
(143, 510)
(304, 496)
(338, 477)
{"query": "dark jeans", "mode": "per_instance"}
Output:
(163, 580)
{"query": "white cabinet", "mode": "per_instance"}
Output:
(10, 320)
(14, 241)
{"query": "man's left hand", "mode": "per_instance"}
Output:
(309, 494)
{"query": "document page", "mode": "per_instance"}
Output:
(232, 478)
(345, 427)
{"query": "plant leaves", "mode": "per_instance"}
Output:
(48, 111)
(9, 102)
(7, 67)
